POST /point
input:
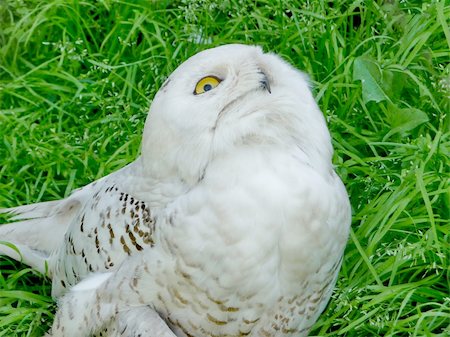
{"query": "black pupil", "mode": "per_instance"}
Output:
(207, 87)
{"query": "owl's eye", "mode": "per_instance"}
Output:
(206, 84)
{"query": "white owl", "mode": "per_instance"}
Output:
(232, 222)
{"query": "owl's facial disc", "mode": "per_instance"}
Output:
(225, 97)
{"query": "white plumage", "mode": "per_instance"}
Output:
(232, 222)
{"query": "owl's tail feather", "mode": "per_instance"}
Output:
(39, 231)
(32, 257)
(32, 211)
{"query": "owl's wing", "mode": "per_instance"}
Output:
(93, 230)
(109, 226)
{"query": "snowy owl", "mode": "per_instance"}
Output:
(232, 222)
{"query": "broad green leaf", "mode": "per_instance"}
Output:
(370, 74)
(404, 120)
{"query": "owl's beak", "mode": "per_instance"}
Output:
(265, 82)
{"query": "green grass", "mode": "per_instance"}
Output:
(77, 77)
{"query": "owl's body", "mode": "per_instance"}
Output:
(249, 264)
(231, 223)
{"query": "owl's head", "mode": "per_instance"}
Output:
(231, 96)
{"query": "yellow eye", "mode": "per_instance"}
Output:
(206, 84)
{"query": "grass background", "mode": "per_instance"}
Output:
(77, 77)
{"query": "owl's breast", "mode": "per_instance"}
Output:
(251, 236)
